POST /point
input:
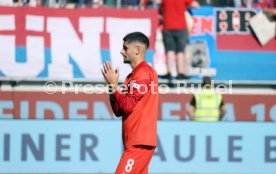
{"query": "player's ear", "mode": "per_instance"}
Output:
(137, 50)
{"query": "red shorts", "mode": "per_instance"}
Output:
(135, 160)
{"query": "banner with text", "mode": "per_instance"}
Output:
(82, 106)
(96, 147)
(68, 43)
(43, 43)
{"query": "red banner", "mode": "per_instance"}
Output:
(39, 105)
(22, 21)
(240, 107)
(68, 43)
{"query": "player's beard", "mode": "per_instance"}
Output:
(126, 61)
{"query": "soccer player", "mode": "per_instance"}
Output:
(137, 103)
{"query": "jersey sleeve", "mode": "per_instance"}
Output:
(115, 106)
(126, 101)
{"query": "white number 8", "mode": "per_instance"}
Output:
(130, 163)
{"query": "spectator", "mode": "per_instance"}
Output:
(110, 3)
(252, 4)
(271, 14)
(205, 2)
(32, 3)
(271, 11)
(82, 3)
(206, 105)
(131, 3)
(150, 3)
(175, 34)
(237, 3)
(227, 3)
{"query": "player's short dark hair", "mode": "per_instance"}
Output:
(137, 37)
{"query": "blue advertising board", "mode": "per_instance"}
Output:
(96, 147)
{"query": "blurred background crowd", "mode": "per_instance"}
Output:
(132, 4)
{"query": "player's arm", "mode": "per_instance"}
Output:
(222, 110)
(191, 109)
(111, 76)
(127, 101)
(193, 4)
(191, 112)
(115, 105)
(143, 4)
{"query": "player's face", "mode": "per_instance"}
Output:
(128, 52)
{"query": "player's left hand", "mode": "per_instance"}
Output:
(110, 74)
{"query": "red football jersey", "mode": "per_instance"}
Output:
(138, 105)
(173, 14)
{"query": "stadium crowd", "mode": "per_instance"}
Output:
(133, 4)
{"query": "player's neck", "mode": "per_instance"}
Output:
(134, 64)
